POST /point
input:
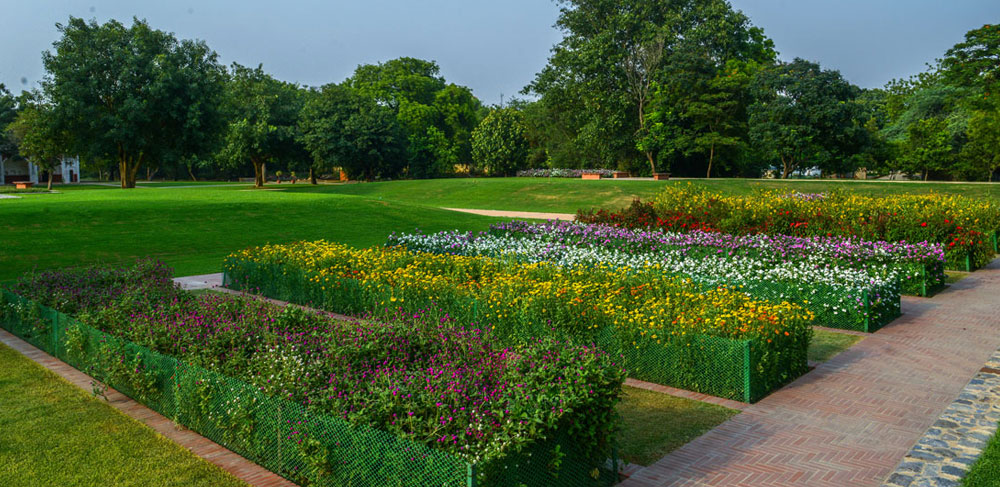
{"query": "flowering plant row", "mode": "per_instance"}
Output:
(837, 295)
(427, 379)
(562, 173)
(965, 227)
(919, 266)
(618, 308)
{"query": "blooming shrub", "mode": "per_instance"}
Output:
(835, 294)
(562, 173)
(423, 378)
(618, 308)
(912, 262)
(962, 225)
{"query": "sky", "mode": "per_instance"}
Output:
(493, 47)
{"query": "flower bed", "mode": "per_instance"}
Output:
(563, 173)
(920, 266)
(411, 400)
(847, 298)
(672, 331)
(961, 225)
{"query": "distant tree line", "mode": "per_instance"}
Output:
(683, 86)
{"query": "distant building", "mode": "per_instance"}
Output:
(16, 169)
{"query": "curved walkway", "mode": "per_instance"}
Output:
(851, 420)
(516, 214)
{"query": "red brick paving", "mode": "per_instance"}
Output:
(851, 420)
(199, 445)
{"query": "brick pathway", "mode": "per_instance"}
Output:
(199, 445)
(851, 420)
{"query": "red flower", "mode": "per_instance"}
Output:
(924, 224)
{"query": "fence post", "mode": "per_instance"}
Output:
(968, 262)
(868, 310)
(923, 280)
(996, 241)
(55, 334)
(470, 475)
(747, 396)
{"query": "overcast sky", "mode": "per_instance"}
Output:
(493, 47)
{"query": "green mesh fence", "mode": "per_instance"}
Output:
(712, 365)
(285, 437)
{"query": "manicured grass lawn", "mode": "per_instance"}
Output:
(53, 433)
(826, 344)
(193, 229)
(986, 471)
(954, 276)
(656, 424)
(171, 184)
(564, 195)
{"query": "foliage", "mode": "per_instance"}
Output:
(133, 94)
(263, 121)
(8, 113)
(39, 137)
(341, 128)
(437, 117)
(804, 116)
(499, 143)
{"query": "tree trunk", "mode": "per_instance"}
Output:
(925, 174)
(787, 166)
(312, 176)
(258, 173)
(50, 181)
(191, 173)
(711, 155)
(652, 164)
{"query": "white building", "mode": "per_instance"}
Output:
(14, 170)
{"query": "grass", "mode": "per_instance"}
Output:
(986, 471)
(193, 229)
(826, 344)
(12, 190)
(53, 433)
(655, 424)
(951, 277)
(565, 195)
(171, 184)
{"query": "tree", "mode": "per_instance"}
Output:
(264, 116)
(599, 78)
(39, 138)
(341, 128)
(437, 117)
(975, 63)
(927, 147)
(134, 94)
(8, 113)
(499, 143)
(804, 116)
(982, 151)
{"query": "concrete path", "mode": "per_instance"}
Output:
(199, 445)
(516, 214)
(851, 420)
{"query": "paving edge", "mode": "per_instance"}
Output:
(204, 448)
(946, 451)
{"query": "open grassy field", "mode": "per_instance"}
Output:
(565, 195)
(53, 433)
(193, 229)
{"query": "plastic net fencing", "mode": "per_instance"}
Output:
(719, 366)
(282, 436)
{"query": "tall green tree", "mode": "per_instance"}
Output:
(134, 94)
(39, 137)
(8, 112)
(500, 143)
(927, 147)
(341, 128)
(975, 63)
(600, 78)
(804, 116)
(981, 153)
(437, 117)
(263, 121)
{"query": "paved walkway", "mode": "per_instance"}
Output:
(516, 214)
(199, 445)
(851, 420)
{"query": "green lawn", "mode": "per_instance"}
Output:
(826, 344)
(171, 184)
(655, 424)
(986, 471)
(53, 433)
(566, 195)
(193, 229)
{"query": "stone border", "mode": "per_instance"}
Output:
(952, 444)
